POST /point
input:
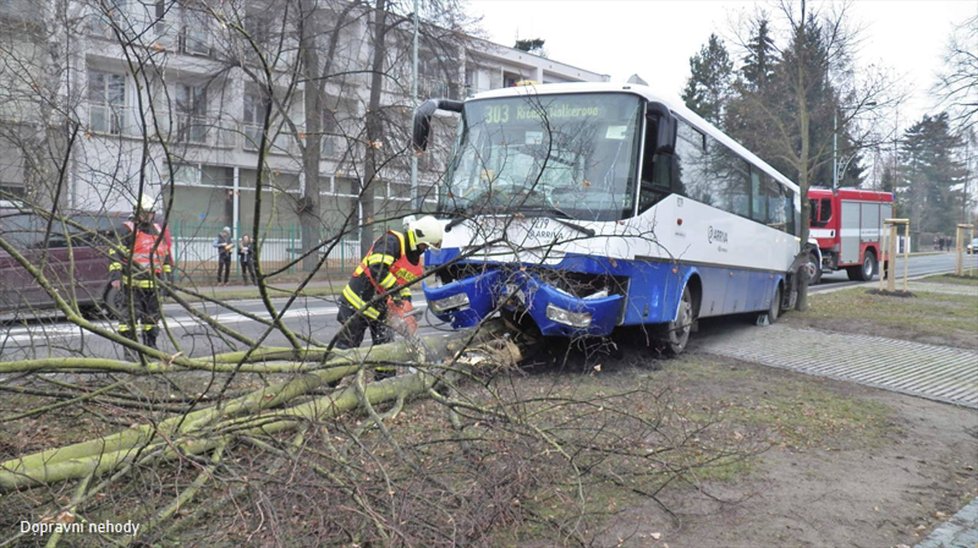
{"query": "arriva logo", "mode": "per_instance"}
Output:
(716, 235)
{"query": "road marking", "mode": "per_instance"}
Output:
(45, 331)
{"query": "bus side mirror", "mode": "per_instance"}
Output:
(665, 139)
(422, 120)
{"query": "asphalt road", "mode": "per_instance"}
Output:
(919, 265)
(313, 318)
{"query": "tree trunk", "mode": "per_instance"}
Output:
(309, 206)
(803, 168)
(374, 126)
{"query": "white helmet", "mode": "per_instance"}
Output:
(428, 230)
(145, 203)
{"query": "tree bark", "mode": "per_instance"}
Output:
(309, 206)
(374, 126)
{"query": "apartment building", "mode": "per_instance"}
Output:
(171, 98)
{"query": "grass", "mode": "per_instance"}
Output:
(795, 412)
(925, 316)
(970, 278)
(731, 411)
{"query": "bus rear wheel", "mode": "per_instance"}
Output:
(676, 333)
(774, 310)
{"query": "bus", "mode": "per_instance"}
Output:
(582, 208)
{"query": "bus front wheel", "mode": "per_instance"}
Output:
(676, 333)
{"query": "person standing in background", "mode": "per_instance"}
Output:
(246, 258)
(224, 246)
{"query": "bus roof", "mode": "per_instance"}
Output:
(670, 101)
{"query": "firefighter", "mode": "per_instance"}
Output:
(150, 247)
(393, 262)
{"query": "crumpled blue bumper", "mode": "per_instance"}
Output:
(466, 302)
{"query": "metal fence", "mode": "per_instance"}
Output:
(196, 256)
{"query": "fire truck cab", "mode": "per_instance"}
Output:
(848, 225)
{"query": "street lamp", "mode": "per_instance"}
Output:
(835, 139)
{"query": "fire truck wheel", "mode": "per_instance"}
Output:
(866, 272)
(814, 269)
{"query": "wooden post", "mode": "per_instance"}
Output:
(886, 269)
(959, 244)
(891, 253)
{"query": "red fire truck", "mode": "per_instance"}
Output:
(848, 225)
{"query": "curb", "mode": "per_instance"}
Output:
(959, 531)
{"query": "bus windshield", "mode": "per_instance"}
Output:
(572, 156)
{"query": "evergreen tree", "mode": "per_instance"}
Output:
(532, 45)
(708, 88)
(758, 68)
(930, 185)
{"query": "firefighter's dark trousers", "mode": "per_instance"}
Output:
(353, 327)
(145, 312)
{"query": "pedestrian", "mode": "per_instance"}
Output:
(224, 246)
(246, 258)
(379, 292)
(142, 258)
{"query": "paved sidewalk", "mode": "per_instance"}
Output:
(941, 373)
(961, 531)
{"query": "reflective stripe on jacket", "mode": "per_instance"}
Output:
(392, 271)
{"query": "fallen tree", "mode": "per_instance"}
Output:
(268, 410)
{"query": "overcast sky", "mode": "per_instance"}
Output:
(655, 38)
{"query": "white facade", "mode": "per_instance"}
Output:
(187, 88)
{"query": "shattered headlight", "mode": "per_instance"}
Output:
(566, 317)
(458, 300)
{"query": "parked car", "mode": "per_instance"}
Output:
(71, 253)
(972, 247)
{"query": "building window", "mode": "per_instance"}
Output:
(253, 117)
(191, 103)
(108, 16)
(185, 174)
(194, 33)
(106, 101)
(11, 190)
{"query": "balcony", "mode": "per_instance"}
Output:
(106, 119)
(190, 129)
(281, 143)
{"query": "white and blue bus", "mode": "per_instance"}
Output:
(587, 207)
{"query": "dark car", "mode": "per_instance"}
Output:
(69, 252)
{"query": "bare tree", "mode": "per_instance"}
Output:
(219, 436)
(811, 84)
(958, 84)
